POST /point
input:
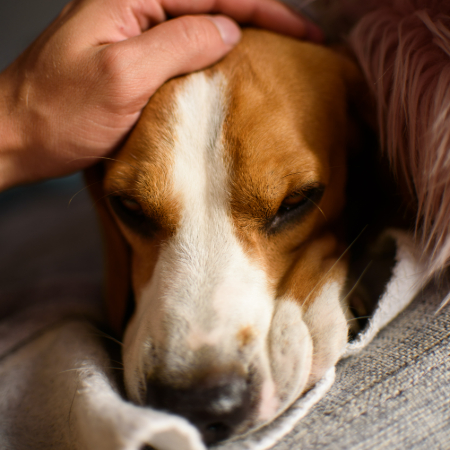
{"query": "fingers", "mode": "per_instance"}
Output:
(229, 31)
(269, 14)
(172, 48)
(130, 17)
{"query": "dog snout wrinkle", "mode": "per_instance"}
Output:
(216, 406)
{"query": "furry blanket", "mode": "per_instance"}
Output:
(403, 47)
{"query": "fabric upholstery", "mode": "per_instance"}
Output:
(395, 393)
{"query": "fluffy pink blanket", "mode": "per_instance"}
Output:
(404, 49)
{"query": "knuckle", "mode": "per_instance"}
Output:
(112, 66)
(114, 78)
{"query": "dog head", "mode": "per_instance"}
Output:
(222, 217)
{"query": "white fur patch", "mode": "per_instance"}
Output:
(204, 288)
(205, 292)
(290, 350)
(327, 326)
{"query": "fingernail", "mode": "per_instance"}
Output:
(228, 29)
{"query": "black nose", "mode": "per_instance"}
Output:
(216, 405)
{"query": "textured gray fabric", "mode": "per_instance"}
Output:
(50, 260)
(394, 394)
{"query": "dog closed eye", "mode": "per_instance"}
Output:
(130, 212)
(296, 205)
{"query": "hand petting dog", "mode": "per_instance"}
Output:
(76, 92)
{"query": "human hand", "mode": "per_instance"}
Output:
(76, 92)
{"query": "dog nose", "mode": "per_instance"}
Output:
(216, 406)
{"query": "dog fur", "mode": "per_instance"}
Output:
(238, 290)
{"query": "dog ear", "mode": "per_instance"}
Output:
(361, 102)
(116, 251)
(372, 192)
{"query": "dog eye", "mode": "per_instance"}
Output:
(130, 212)
(130, 204)
(125, 206)
(296, 205)
(293, 201)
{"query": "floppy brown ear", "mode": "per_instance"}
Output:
(116, 251)
(361, 102)
(372, 194)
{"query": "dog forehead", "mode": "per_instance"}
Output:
(285, 101)
(286, 120)
(286, 98)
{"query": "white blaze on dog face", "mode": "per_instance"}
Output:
(230, 280)
(204, 289)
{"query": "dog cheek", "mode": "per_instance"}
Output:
(328, 328)
(139, 350)
(133, 368)
(290, 349)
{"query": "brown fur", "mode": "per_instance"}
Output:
(284, 131)
(275, 146)
(310, 143)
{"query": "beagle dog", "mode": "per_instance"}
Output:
(222, 215)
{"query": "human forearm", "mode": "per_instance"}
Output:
(75, 93)
(11, 137)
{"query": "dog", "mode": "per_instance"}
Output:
(223, 222)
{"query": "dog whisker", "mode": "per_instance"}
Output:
(317, 206)
(117, 362)
(81, 190)
(71, 403)
(78, 369)
(107, 336)
(333, 266)
(359, 317)
(357, 281)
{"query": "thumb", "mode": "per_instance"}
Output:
(175, 47)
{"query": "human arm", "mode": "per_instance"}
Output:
(75, 93)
